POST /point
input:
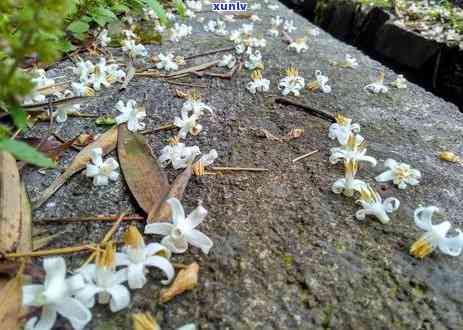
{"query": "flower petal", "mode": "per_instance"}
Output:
(75, 312)
(164, 265)
(120, 298)
(196, 217)
(390, 163)
(338, 186)
(177, 246)
(391, 204)
(423, 217)
(178, 214)
(155, 248)
(87, 295)
(136, 276)
(198, 239)
(161, 228)
(47, 319)
(385, 176)
(122, 259)
(30, 292)
(452, 245)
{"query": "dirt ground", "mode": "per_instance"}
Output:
(288, 253)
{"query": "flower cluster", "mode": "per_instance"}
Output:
(131, 47)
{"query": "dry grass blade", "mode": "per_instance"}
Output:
(144, 321)
(106, 141)
(187, 279)
(193, 69)
(10, 304)
(163, 213)
(41, 242)
(25, 238)
(145, 178)
(10, 202)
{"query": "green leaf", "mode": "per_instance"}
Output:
(181, 9)
(19, 116)
(102, 16)
(159, 10)
(78, 27)
(23, 151)
(120, 8)
(67, 46)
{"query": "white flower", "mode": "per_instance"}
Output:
(100, 76)
(40, 81)
(114, 73)
(84, 69)
(254, 61)
(102, 280)
(299, 45)
(138, 256)
(322, 82)
(181, 232)
(209, 158)
(129, 34)
(257, 83)
(149, 14)
(277, 21)
(292, 83)
(273, 31)
(288, 26)
(187, 124)
(178, 155)
(103, 38)
(54, 296)
(401, 174)
(348, 184)
(400, 82)
(352, 150)
(258, 42)
(350, 62)
(63, 111)
(236, 36)
(195, 105)
(179, 31)
(315, 32)
(373, 204)
(435, 236)
(101, 171)
(81, 89)
(194, 5)
(377, 86)
(166, 62)
(228, 60)
(134, 50)
(342, 129)
(240, 48)
(131, 114)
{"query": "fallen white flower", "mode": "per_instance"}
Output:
(181, 232)
(187, 124)
(101, 171)
(62, 112)
(351, 62)
(134, 50)
(194, 104)
(178, 155)
(254, 61)
(378, 86)
(288, 26)
(103, 38)
(257, 83)
(166, 62)
(373, 204)
(292, 83)
(348, 184)
(131, 115)
(400, 174)
(400, 82)
(435, 235)
(299, 45)
(352, 150)
(138, 256)
(228, 60)
(55, 297)
(343, 128)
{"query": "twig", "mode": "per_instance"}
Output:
(52, 252)
(62, 140)
(160, 128)
(104, 218)
(315, 112)
(239, 169)
(214, 51)
(227, 75)
(305, 156)
(183, 83)
(192, 69)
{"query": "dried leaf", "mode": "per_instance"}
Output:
(51, 147)
(163, 213)
(10, 304)
(106, 141)
(144, 321)
(181, 94)
(187, 279)
(84, 139)
(145, 178)
(10, 202)
(25, 238)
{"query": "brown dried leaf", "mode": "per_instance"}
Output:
(295, 133)
(163, 212)
(84, 139)
(144, 321)
(145, 178)
(10, 304)
(10, 202)
(25, 239)
(51, 147)
(181, 94)
(187, 279)
(106, 141)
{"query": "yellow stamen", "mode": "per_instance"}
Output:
(450, 157)
(132, 237)
(256, 75)
(421, 248)
(341, 120)
(300, 40)
(195, 95)
(179, 60)
(106, 258)
(292, 72)
(175, 140)
(198, 168)
(144, 321)
(351, 167)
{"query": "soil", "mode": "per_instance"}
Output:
(288, 253)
